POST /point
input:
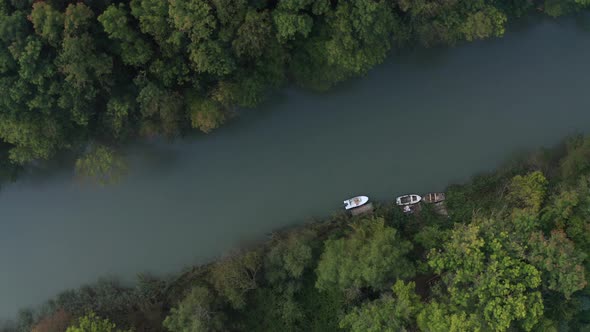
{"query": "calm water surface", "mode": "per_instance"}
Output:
(416, 123)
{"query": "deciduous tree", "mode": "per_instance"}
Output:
(389, 313)
(195, 313)
(484, 278)
(559, 261)
(236, 275)
(371, 256)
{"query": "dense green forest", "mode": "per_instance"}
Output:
(512, 255)
(85, 76)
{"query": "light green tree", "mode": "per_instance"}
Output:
(195, 313)
(488, 22)
(437, 317)
(482, 276)
(528, 191)
(371, 256)
(92, 323)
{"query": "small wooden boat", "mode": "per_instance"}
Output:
(434, 197)
(408, 199)
(355, 202)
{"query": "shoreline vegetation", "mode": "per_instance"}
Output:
(512, 255)
(85, 77)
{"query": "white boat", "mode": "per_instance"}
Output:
(408, 199)
(355, 202)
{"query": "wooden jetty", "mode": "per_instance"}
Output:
(438, 200)
(363, 209)
(434, 197)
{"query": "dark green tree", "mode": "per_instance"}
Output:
(134, 50)
(389, 313)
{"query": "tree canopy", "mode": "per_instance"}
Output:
(375, 255)
(78, 73)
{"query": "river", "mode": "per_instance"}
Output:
(416, 123)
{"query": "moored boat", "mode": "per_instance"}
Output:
(355, 202)
(434, 197)
(408, 199)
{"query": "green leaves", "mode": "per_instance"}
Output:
(254, 35)
(205, 114)
(371, 256)
(559, 261)
(153, 20)
(483, 277)
(389, 313)
(528, 192)
(289, 25)
(577, 160)
(195, 313)
(193, 17)
(236, 275)
(483, 24)
(360, 33)
(78, 19)
(134, 50)
(48, 22)
(93, 323)
(161, 110)
(563, 7)
(211, 57)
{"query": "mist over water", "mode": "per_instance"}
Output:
(418, 122)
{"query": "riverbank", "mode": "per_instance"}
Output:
(419, 270)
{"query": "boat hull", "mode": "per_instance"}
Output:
(355, 202)
(408, 200)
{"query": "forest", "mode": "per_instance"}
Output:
(511, 255)
(84, 77)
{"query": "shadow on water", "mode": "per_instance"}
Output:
(158, 154)
(582, 22)
(44, 172)
(429, 58)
